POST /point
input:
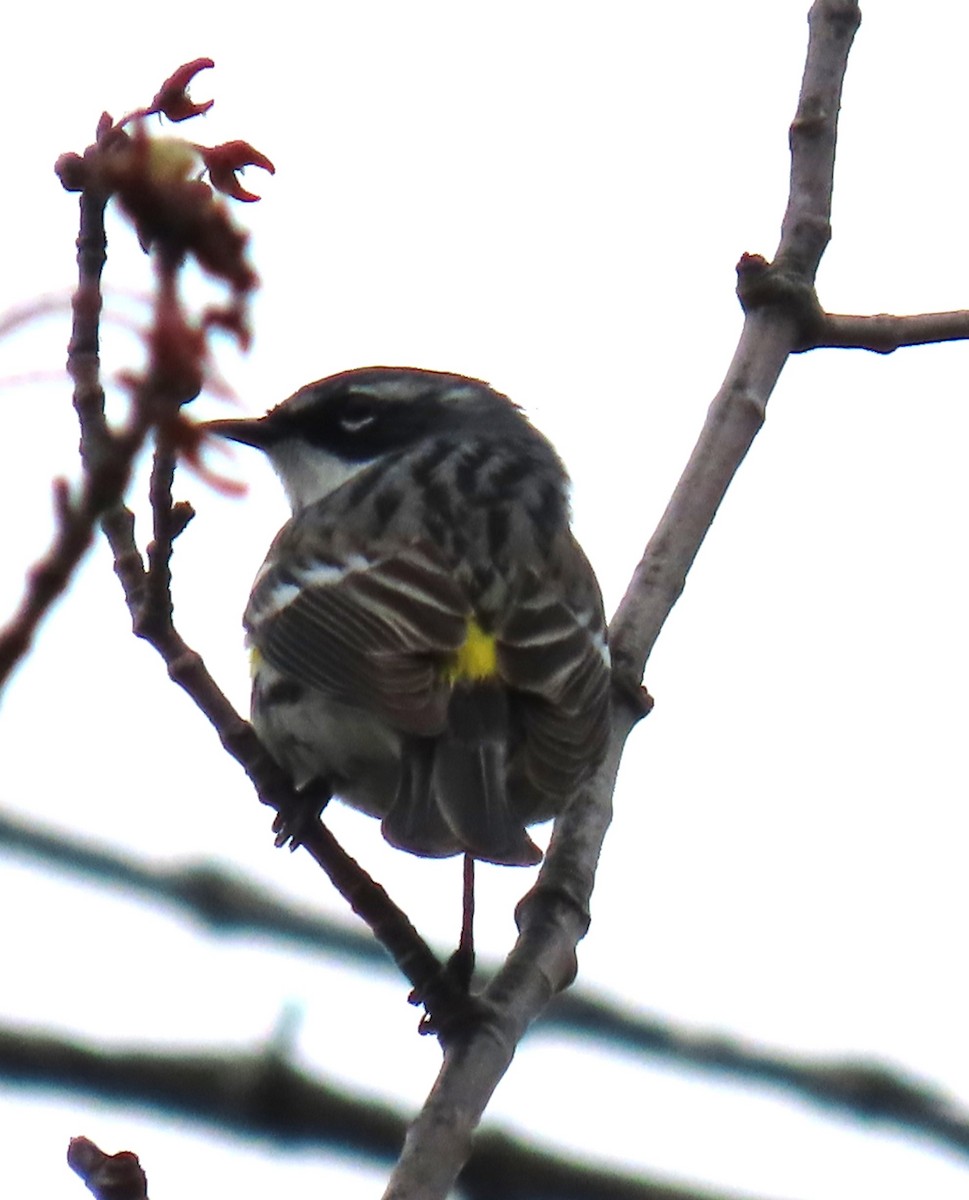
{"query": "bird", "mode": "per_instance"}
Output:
(427, 638)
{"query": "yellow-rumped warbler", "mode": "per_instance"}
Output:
(427, 637)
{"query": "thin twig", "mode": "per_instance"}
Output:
(106, 457)
(884, 333)
(76, 520)
(174, 376)
(388, 923)
(152, 621)
(156, 610)
(107, 1176)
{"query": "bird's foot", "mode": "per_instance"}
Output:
(451, 1010)
(291, 824)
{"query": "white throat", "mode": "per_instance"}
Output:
(309, 473)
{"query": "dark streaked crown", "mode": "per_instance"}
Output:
(361, 414)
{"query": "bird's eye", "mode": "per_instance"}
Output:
(357, 422)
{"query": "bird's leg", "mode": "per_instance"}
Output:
(461, 963)
(292, 823)
(457, 1015)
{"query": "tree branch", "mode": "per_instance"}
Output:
(261, 1094)
(225, 903)
(119, 164)
(106, 465)
(884, 333)
(554, 915)
(770, 334)
(552, 918)
(764, 285)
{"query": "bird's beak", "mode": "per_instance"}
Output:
(250, 431)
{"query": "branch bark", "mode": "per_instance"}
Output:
(174, 376)
(107, 464)
(770, 334)
(554, 915)
(884, 332)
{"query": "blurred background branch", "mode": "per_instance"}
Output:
(224, 903)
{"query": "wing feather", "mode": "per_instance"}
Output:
(552, 652)
(375, 636)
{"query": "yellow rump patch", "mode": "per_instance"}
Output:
(476, 659)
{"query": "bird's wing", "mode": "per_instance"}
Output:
(373, 631)
(552, 652)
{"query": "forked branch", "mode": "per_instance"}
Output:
(554, 915)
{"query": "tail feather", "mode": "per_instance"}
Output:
(453, 791)
(469, 778)
(414, 822)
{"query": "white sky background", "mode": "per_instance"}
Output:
(551, 197)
